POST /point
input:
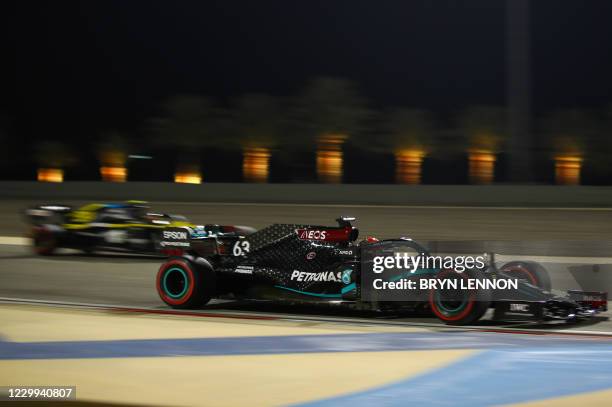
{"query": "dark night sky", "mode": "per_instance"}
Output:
(76, 67)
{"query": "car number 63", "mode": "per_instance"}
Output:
(241, 248)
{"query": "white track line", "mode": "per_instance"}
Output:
(14, 240)
(555, 259)
(359, 321)
(383, 206)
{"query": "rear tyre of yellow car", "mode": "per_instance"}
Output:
(44, 241)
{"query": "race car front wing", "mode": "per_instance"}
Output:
(571, 307)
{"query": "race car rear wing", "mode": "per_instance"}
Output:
(205, 241)
(45, 214)
(174, 241)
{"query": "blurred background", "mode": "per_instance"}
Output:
(406, 92)
(476, 95)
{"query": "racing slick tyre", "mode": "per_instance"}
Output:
(43, 241)
(183, 284)
(530, 271)
(459, 306)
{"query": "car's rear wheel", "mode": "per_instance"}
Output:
(459, 306)
(43, 241)
(529, 271)
(183, 284)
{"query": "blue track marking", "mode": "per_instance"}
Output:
(496, 377)
(284, 345)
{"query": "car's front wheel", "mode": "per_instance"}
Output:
(459, 306)
(183, 284)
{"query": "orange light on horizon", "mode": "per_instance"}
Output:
(193, 177)
(408, 166)
(50, 175)
(330, 158)
(256, 164)
(567, 170)
(481, 166)
(329, 166)
(113, 174)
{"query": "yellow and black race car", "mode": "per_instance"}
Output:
(125, 227)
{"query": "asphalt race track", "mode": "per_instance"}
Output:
(420, 223)
(72, 313)
(127, 280)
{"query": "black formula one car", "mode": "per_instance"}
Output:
(123, 227)
(308, 263)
